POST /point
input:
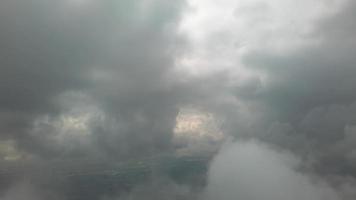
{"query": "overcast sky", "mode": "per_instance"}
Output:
(114, 80)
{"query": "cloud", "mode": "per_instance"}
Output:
(26, 191)
(289, 75)
(253, 170)
(159, 188)
(310, 90)
(107, 81)
(80, 60)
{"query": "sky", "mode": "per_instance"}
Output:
(265, 87)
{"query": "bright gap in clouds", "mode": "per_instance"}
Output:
(9, 151)
(196, 132)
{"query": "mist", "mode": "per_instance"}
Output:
(138, 99)
(252, 170)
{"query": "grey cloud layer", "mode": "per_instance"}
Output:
(116, 53)
(252, 170)
(310, 92)
(97, 79)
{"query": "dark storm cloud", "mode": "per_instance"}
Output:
(117, 53)
(95, 81)
(85, 84)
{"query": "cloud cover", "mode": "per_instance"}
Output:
(79, 60)
(252, 170)
(104, 81)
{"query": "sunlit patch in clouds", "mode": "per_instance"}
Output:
(66, 131)
(9, 152)
(75, 124)
(196, 131)
(192, 122)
